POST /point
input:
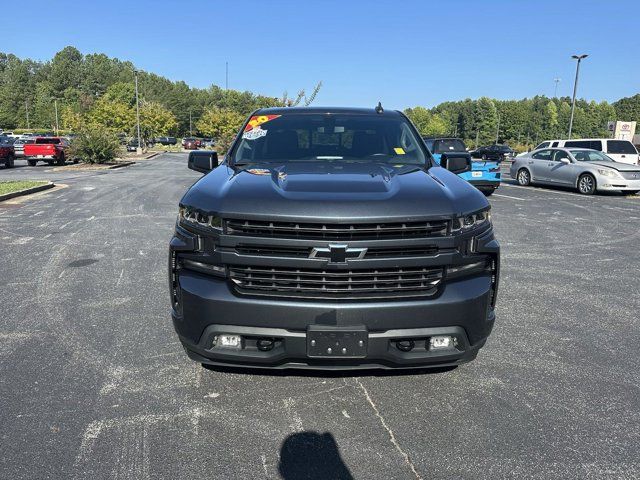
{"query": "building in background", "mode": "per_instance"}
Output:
(622, 130)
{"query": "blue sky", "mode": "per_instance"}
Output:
(404, 53)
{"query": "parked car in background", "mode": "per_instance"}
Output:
(484, 175)
(49, 149)
(493, 152)
(167, 140)
(18, 146)
(620, 150)
(207, 142)
(190, 143)
(7, 154)
(587, 170)
(132, 145)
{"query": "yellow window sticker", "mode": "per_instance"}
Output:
(399, 151)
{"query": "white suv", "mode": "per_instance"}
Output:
(620, 150)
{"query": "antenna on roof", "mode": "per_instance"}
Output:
(379, 108)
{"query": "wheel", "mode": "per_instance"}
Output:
(75, 160)
(632, 192)
(32, 162)
(487, 191)
(523, 177)
(484, 156)
(50, 162)
(10, 161)
(586, 184)
(61, 159)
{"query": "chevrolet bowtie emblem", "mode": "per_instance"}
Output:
(338, 253)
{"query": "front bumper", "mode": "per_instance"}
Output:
(209, 307)
(616, 184)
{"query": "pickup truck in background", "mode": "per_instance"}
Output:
(49, 149)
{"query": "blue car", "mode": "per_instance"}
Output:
(484, 175)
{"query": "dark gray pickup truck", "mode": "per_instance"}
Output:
(328, 238)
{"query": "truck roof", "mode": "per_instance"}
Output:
(328, 110)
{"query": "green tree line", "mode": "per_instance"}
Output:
(521, 122)
(97, 89)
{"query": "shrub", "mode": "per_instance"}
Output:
(95, 145)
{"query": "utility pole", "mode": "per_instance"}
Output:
(477, 134)
(139, 149)
(26, 109)
(579, 58)
(190, 134)
(226, 75)
(498, 129)
(555, 91)
(55, 105)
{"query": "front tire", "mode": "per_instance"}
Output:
(61, 159)
(32, 163)
(523, 177)
(10, 161)
(586, 184)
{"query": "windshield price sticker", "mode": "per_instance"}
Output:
(257, 120)
(254, 133)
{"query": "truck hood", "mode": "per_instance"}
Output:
(333, 191)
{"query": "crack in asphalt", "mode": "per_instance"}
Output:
(392, 436)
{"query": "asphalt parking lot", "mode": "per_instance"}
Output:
(94, 383)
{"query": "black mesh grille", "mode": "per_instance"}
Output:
(327, 231)
(308, 283)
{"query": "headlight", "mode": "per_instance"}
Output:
(607, 172)
(190, 216)
(473, 220)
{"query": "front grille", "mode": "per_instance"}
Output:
(631, 175)
(339, 284)
(305, 252)
(329, 231)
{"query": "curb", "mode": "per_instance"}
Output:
(26, 191)
(154, 154)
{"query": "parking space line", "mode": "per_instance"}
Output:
(508, 196)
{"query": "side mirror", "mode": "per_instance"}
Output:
(456, 163)
(203, 161)
(565, 160)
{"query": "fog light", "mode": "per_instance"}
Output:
(405, 345)
(440, 342)
(264, 344)
(229, 341)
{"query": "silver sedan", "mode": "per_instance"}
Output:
(586, 170)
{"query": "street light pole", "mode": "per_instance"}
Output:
(498, 129)
(139, 149)
(190, 134)
(575, 88)
(555, 92)
(26, 109)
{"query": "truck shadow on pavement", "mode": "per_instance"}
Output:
(328, 373)
(311, 455)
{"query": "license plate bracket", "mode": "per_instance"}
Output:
(337, 342)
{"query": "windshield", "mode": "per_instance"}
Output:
(326, 137)
(448, 145)
(590, 156)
